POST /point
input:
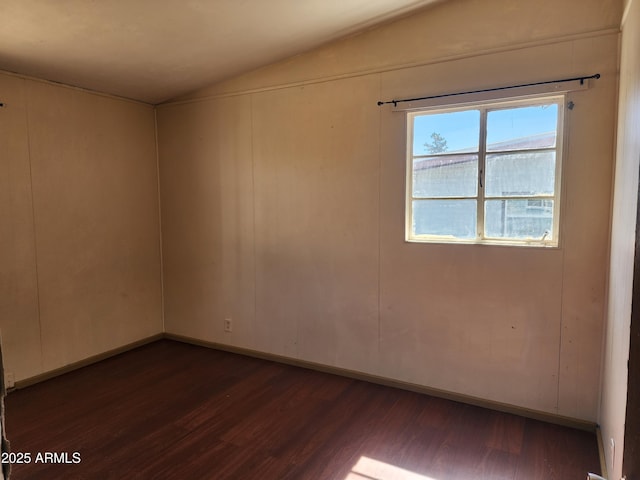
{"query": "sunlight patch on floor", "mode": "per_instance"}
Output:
(370, 469)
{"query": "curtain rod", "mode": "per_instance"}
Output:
(582, 79)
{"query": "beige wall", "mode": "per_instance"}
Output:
(79, 235)
(614, 385)
(453, 30)
(283, 208)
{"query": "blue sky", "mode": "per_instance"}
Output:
(461, 129)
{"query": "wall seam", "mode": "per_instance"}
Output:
(560, 339)
(379, 223)
(253, 212)
(155, 131)
(33, 223)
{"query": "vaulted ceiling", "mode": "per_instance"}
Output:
(154, 50)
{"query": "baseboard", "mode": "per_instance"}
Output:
(389, 382)
(85, 362)
(470, 400)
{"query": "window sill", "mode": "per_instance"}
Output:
(499, 243)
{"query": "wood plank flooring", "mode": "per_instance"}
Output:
(174, 411)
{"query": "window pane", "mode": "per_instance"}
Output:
(520, 174)
(519, 219)
(454, 132)
(522, 128)
(450, 176)
(455, 218)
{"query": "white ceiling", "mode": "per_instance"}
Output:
(154, 50)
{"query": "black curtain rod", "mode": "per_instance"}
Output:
(582, 79)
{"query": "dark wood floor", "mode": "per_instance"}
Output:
(174, 411)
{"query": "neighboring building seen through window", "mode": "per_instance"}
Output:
(485, 174)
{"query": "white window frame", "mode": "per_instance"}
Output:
(484, 107)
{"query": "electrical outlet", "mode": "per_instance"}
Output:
(9, 380)
(228, 325)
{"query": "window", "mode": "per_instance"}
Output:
(485, 173)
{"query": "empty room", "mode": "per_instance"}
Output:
(311, 239)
